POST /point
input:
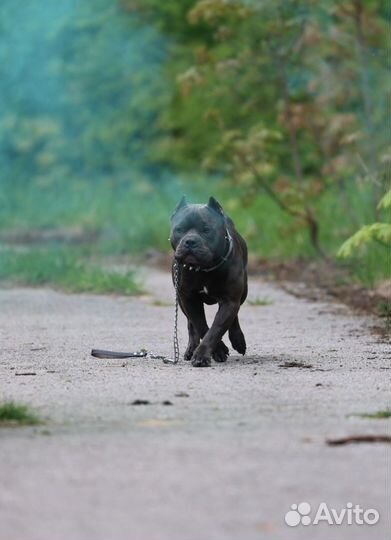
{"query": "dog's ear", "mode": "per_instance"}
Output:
(215, 205)
(182, 204)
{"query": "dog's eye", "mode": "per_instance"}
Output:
(206, 229)
(178, 230)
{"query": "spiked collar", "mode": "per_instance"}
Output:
(218, 265)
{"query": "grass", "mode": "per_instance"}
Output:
(384, 310)
(133, 216)
(272, 234)
(379, 415)
(160, 303)
(259, 301)
(129, 217)
(12, 413)
(63, 268)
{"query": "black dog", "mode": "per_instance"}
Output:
(212, 263)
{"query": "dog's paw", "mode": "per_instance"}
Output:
(238, 341)
(201, 358)
(189, 353)
(221, 352)
(203, 361)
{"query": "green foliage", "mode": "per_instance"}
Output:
(384, 310)
(131, 220)
(112, 109)
(124, 219)
(12, 413)
(82, 91)
(380, 232)
(285, 98)
(169, 17)
(376, 232)
(64, 269)
(385, 202)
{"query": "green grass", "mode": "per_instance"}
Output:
(160, 303)
(128, 217)
(379, 415)
(272, 234)
(12, 413)
(65, 269)
(133, 216)
(259, 301)
(384, 310)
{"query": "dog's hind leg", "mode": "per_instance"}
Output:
(236, 337)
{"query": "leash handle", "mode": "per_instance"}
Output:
(101, 353)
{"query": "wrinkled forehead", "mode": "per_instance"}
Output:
(197, 215)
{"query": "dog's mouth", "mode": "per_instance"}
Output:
(192, 257)
(186, 258)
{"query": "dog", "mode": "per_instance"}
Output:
(211, 259)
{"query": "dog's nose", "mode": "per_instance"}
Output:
(190, 243)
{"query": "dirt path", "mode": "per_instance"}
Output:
(239, 445)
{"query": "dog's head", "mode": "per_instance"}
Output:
(198, 233)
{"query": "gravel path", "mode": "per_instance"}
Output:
(238, 444)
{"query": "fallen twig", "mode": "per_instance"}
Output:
(140, 402)
(359, 439)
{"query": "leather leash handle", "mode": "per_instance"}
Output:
(99, 353)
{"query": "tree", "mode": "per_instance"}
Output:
(82, 92)
(281, 98)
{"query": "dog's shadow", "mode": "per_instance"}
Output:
(270, 360)
(254, 359)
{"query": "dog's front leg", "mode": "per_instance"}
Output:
(225, 316)
(194, 339)
(193, 308)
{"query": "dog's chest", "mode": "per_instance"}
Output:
(208, 294)
(207, 289)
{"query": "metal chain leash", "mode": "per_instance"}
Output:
(99, 353)
(175, 360)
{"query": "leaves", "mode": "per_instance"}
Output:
(376, 232)
(212, 11)
(380, 232)
(82, 91)
(385, 202)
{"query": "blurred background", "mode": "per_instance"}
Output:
(110, 110)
